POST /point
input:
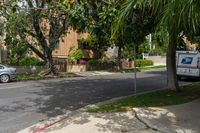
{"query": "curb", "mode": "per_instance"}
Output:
(41, 126)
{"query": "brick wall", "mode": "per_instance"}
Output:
(71, 39)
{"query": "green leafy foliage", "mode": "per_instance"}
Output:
(16, 49)
(96, 19)
(74, 55)
(96, 64)
(88, 43)
(142, 63)
(28, 61)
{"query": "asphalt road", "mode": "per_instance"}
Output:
(23, 104)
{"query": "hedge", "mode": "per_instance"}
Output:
(95, 64)
(143, 63)
(28, 61)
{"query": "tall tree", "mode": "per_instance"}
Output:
(132, 27)
(178, 16)
(95, 18)
(39, 25)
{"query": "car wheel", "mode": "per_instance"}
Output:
(5, 78)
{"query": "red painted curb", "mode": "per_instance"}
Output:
(48, 125)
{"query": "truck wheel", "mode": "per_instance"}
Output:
(4, 78)
(179, 77)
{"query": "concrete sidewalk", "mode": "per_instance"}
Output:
(97, 123)
(183, 118)
(94, 73)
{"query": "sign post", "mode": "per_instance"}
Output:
(135, 71)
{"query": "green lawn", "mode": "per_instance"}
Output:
(152, 99)
(151, 67)
(37, 76)
(139, 69)
(29, 76)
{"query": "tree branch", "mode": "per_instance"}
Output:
(36, 25)
(34, 49)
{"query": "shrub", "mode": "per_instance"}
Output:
(142, 63)
(74, 55)
(94, 62)
(30, 61)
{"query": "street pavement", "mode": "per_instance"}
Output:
(23, 104)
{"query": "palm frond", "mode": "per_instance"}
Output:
(123, 14)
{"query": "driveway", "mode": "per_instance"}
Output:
(23, 104)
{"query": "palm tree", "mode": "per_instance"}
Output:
(177, 16)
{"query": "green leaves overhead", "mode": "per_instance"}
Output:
(135, 21)
(95, 17)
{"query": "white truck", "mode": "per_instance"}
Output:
(188, 63)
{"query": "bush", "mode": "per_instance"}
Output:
(74, 55)
(142, 63)
(30, 61)
(94, 62)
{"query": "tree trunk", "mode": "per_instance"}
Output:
(172, 82)
(119, 63)
(51, 68)
(96, 53)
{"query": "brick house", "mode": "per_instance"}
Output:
(66, 42)
(62, 49)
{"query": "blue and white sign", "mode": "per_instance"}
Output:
(187, 60)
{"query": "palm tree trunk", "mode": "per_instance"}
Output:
(172, 82)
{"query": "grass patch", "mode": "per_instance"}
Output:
(29, 76)
(151, 67)
(139, 69)
(152, 99)
(37, 76)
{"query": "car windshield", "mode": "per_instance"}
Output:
(2, 66)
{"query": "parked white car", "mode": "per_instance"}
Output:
(7, 73)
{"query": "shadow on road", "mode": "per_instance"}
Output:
(57, 98)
